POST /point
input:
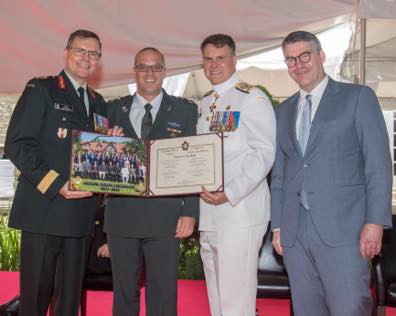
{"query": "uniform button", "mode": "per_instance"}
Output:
(305, 165)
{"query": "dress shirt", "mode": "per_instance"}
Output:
(316, 94)
(76, 85)
(138, 110)
(221, 88)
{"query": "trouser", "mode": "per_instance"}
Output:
(161, 258)
(230, 260)
(326, 280)
(52, 271)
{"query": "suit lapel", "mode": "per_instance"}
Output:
(292, 119)
(325, 105)
(161, 118)
(125, 109)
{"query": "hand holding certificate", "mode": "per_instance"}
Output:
(120, 165)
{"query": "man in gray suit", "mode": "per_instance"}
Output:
(331, 185)
(149, 228)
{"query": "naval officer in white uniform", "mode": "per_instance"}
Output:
(233, 222)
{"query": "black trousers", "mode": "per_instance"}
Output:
(161, 258)
(52, 270)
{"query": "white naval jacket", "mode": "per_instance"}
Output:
(249, 152)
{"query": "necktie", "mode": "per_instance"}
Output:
(147, 121)
(305, 124)
(81, 92)
(303, 135)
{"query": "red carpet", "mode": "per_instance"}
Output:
(192, 299)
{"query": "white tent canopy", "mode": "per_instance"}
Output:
(34, 33)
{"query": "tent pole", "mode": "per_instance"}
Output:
(362, 53)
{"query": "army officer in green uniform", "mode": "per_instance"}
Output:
(55, 222)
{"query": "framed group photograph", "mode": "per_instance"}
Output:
(126, 166)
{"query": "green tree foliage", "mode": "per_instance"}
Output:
(9, 246)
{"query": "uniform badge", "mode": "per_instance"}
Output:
(101, 123)
(63, 107)
(174, 124)
(61, 83)
(185, 145)
(62, 132)
(173, 132)
(225, 121)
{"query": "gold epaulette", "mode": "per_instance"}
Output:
(244, 87)
(208, 93)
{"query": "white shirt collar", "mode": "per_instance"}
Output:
(75, 84)
(316, 92)
(223, 87)
(156, 102)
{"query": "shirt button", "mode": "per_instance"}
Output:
(305, 165)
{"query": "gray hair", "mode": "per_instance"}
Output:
(302, 36)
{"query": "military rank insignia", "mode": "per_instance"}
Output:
(224, 121)
(101, 123)
(61, 83)
(62, 132)
(174, 129)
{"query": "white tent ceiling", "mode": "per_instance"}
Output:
(34, 32)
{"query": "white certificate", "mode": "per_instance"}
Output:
(183, 165)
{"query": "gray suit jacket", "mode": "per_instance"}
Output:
(347, 169)
(140, 217)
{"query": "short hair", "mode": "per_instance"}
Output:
(302, 36)
(218, 41)
(152, 49)
(83, 34)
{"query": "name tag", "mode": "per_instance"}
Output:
(63, 107)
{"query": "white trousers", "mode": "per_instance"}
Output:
(230, 259)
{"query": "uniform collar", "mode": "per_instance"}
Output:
(75, 84)
(156, 102)
(223, 87)
(316, 92)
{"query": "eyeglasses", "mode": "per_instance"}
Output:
(81, 52)
(304, 58)
(146, 68)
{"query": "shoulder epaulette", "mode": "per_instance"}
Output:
(32, 83)
(185, 99)
(208, 93)
(244, 87)
(117, 100)
(44, 77)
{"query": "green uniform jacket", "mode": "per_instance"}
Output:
(139, 217)
(38, 142)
